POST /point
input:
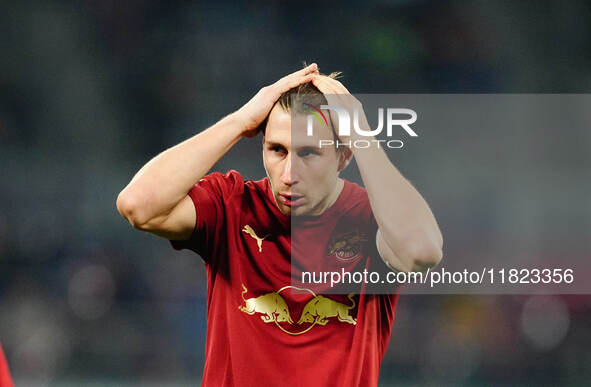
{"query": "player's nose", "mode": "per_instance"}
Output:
(287, 173)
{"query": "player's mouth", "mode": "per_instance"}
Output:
(291, 200)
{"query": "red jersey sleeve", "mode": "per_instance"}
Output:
(212, 197)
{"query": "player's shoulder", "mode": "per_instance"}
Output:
(230, 177)
(222, 183)
(233, 182)
(355, 189)
(354, 202)
(355, 194)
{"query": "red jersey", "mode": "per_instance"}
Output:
(5, 380)
(264, 330)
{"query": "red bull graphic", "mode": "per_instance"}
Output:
(271, 305)
(320, 308)
(317, 310)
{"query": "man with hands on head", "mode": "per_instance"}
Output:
(259, 332)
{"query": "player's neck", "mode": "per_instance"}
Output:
(330, 199)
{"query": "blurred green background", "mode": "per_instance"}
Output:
(90, 90)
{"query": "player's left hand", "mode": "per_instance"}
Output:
(337, 94)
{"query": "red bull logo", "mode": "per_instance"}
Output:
(271, 306)
(317, 310)
(320, 309)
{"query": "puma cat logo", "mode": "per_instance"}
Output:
(247, 229)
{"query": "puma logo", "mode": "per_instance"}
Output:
(247, 229)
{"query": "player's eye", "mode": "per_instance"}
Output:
(278, 149)
(307, 152)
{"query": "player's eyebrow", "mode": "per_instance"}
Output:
(272, 144)
(309, 148)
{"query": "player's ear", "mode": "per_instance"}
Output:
(345, 155)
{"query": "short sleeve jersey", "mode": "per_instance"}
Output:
(261, 328)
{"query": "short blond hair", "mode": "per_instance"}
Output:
(307, 91)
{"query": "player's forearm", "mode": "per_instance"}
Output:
(405, 220)
(165, 180)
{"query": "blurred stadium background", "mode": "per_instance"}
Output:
(90, 90)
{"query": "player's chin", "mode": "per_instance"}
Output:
(299, 210)
(285, 210)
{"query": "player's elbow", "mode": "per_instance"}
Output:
(424, 255)
(131, 208)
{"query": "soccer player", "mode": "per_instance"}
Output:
(260, 330)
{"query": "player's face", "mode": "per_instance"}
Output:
(303, 176)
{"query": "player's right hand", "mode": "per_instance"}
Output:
(254, 112)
